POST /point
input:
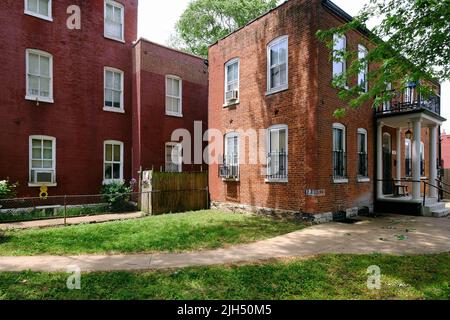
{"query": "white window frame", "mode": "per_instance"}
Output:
(283, 87)
(340, 126)
(117, 5)
(278, 127)
(31, 182)
(343, 62)
(114, 143)
(363, 73)
(229, 63)
(363, 132)
(29, 96)
(180, 88)
(422, 158)
(122, 107)
(38, 15)
(232, 135)
(166, 160)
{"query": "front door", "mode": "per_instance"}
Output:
(387, 165)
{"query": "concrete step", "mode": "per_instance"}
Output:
(430, 201)
(435, 206)
(441, 213)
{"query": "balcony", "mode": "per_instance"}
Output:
(229, 170)
(403, 103)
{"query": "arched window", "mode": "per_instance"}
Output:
(277, 153)
(277, 65)
(230, 168)
(363, 72)
(362, 153)
(339, 61)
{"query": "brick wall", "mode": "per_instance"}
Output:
(76, 118)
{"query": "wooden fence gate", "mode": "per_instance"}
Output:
(164, 192)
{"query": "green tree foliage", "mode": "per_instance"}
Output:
(410, 42)
(206, 21)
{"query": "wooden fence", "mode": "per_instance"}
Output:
(164, 192)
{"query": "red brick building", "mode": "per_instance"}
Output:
(445, 145)
(76, 109)
(274, 76)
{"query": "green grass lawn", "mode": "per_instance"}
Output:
(324, 277)
(167, 233)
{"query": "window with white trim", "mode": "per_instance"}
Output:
(42, 160)
(114, 20)
(39, 77)
(174, 94)
(364, 70)
(339, 49)
(113, 90)
(408, 158)
(232, 81)
(174, 157)
(277, 156)
(277, 65)
(362, 154)
(39, 8)
(339, 155)
(230, 167)
(113, 161)
(422, 159)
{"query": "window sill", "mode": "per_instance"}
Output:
(106, 182)
(277, 90)
(230, 104)
(340, 181)
(38, 185)
(39, 99)
(276, 180)
(176, 115)
(37, 15)
(115, 110)
(363, 179)
(230, 179)
(114, 39)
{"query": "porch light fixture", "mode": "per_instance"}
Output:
(409, 134)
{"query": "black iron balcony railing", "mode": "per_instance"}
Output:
(339, 165)
(277, 163)
(230, 167)
(408, 167)
(404, 103)
(229, 171)
(363, 161)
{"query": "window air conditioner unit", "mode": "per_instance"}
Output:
(232, 95)
(42, 176)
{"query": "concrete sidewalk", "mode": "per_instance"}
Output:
(391, 234)
(70, 221)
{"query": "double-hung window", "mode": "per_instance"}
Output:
(39, 8)
(42, 160)
(277, 157)
(113, 90)
(230, 169)
(174, 94)
(422, 159)
(232, 81)
(364, 68)
(113, 162)
(363, 171)
(339, 156)
(408, 157)
(39, 77)
(174, 157)
(339, 61)
(114, 20)
(277, 65)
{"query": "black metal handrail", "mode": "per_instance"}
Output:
(398, 104)
(229, 171)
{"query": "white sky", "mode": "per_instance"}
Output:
(157, 20)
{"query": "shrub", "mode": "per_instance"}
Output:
(7, 189)
(117, 195)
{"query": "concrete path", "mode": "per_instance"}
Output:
(70, 221)
(391, 234)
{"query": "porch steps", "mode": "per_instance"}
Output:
(435, 209)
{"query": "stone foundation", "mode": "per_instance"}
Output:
(317, 218)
